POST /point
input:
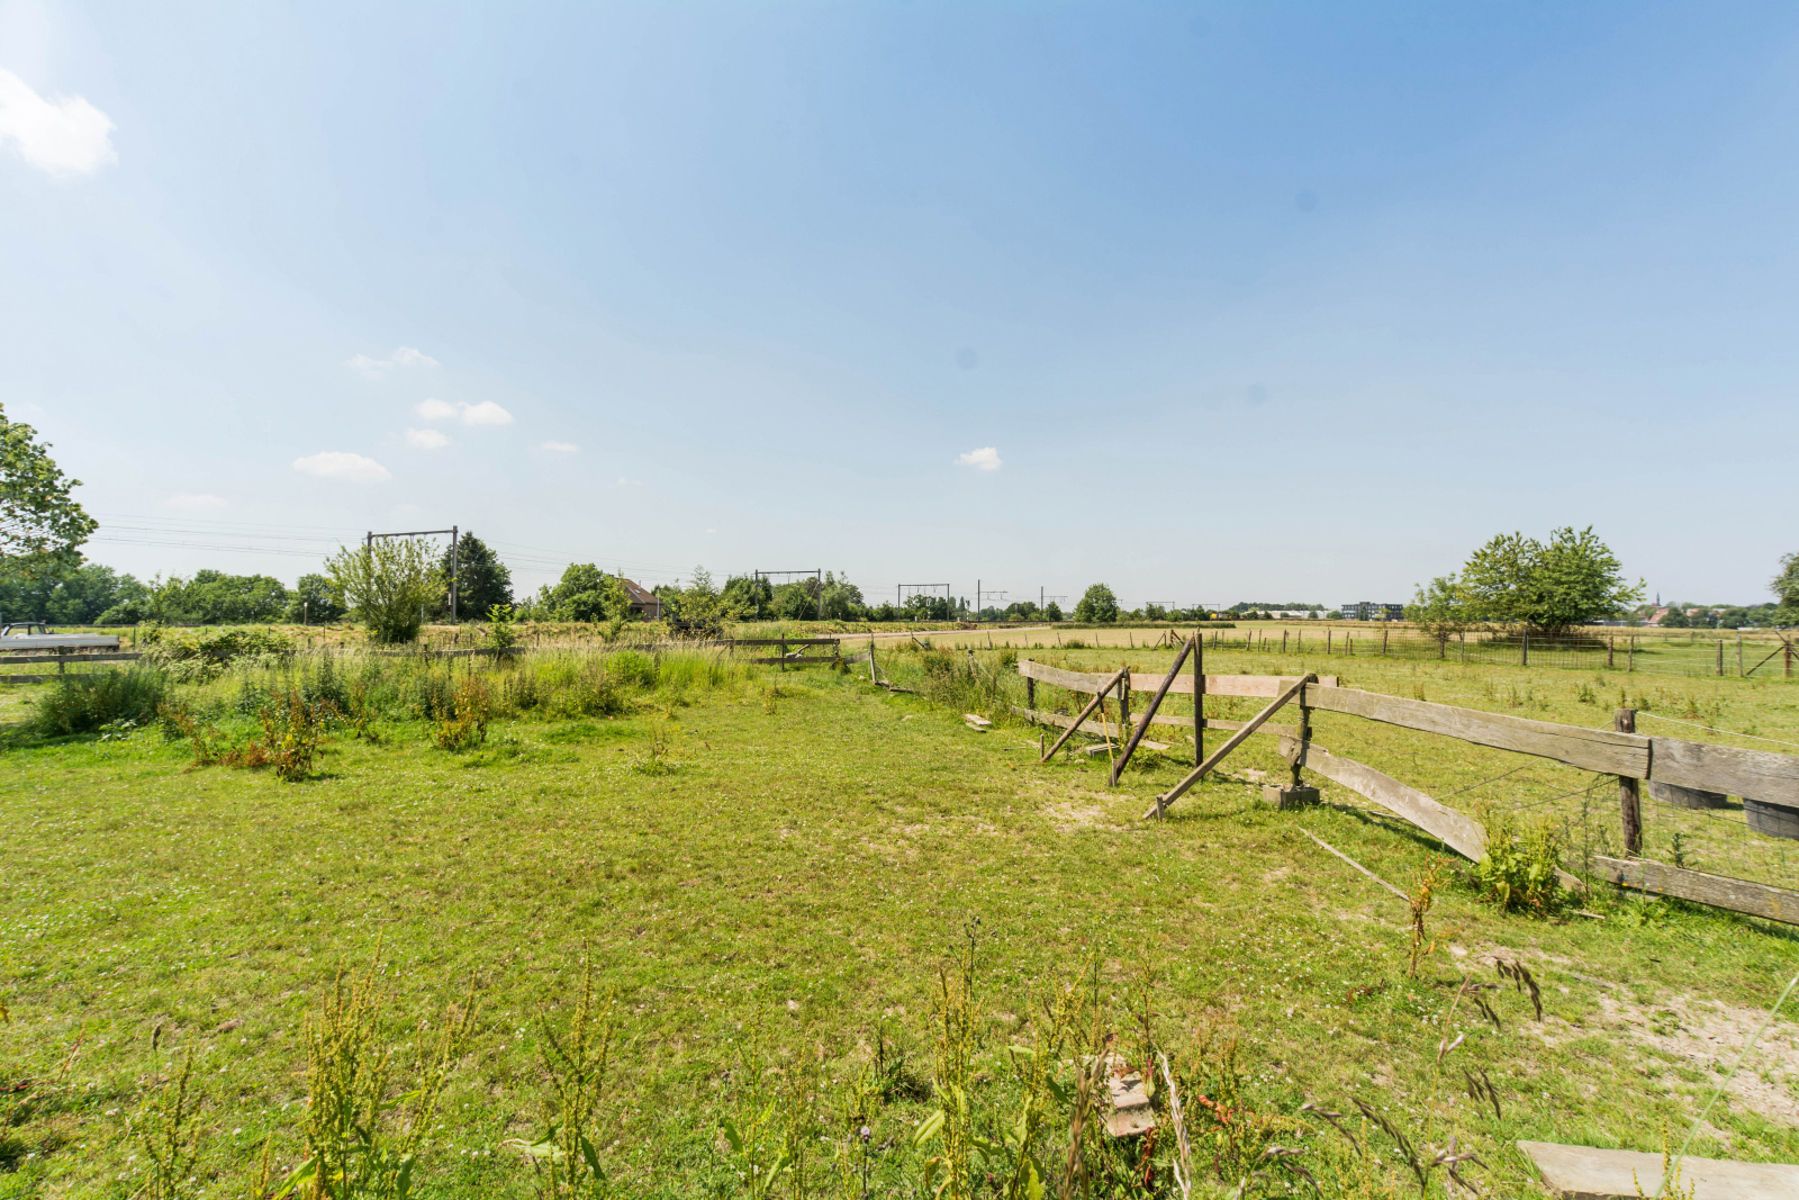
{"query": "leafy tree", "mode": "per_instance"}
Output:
(750, 596)
(1786, 586)
(699, 609)
(842, 599)
(482, 580)
(78, 596)
(586, 593)
(1098, 606)
(1052, 611)
(1546, 588)
(1440, 609)
(217, 598)
(41, 525)
(389, 586)
(314, 601)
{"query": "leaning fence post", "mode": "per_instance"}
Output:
(1625, 721)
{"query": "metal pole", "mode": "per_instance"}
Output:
(455, 567)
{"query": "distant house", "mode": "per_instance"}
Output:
(1658, 616)
(645, 603)
(1369, 610)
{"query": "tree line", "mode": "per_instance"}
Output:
(395, 585)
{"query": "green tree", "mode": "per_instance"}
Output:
(315, 602)
(1098, 606)
(79, 596)
(843, 599)
(41, 526)
(389, 586)
(586, 593)
(482, 580)
(1052, 611)
(1546, 588)
(1786, 586)
(1440, 609)
(750, 596)
(698, 610)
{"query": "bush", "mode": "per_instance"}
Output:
(293, 729)
(86, 703)
(1519, 872)
(204, 654)
(465, 726)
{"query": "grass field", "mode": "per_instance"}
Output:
(770, 873)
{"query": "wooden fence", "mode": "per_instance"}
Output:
(1768, 778)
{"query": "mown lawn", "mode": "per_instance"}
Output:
(779, 900)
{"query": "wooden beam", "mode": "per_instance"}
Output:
(1757, 774)
(1085, 712)
(1719, 891)
(1149, 713)
(1252, 686)
(73, 660)
(1601, 750)
(1237, 739)
(1459, 832)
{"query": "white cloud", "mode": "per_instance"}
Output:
(380, 368)
(426, 439)
(196, 502)
(342, 464)
(562, 447)
(623, 482)
(484, 413)
(65, 136)
(984, 459)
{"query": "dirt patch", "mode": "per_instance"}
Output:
(1073, 816)
(1708, 1036)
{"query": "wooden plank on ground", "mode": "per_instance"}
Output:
(1719, 891)
(1602, 750)
(1459, 832)
(1586, 1173)
(1103, 747)
(1757, 774)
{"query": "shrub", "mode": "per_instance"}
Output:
(1519, 872)
(389, 585)
(293, 729)
(203, 655)
(86, 703)
(465, 726)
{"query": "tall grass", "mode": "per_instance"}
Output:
(89, 703)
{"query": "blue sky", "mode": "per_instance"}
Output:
(1211, 302)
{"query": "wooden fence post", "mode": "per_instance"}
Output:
(1625, 721)
(1720, 657)
(1383, 650)
(1305, 740)
(1124, 706)
(1630, 654)
(1327, 641)
(783, 652)
(1524, 649)
(1611, 650)
(1199, 699)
